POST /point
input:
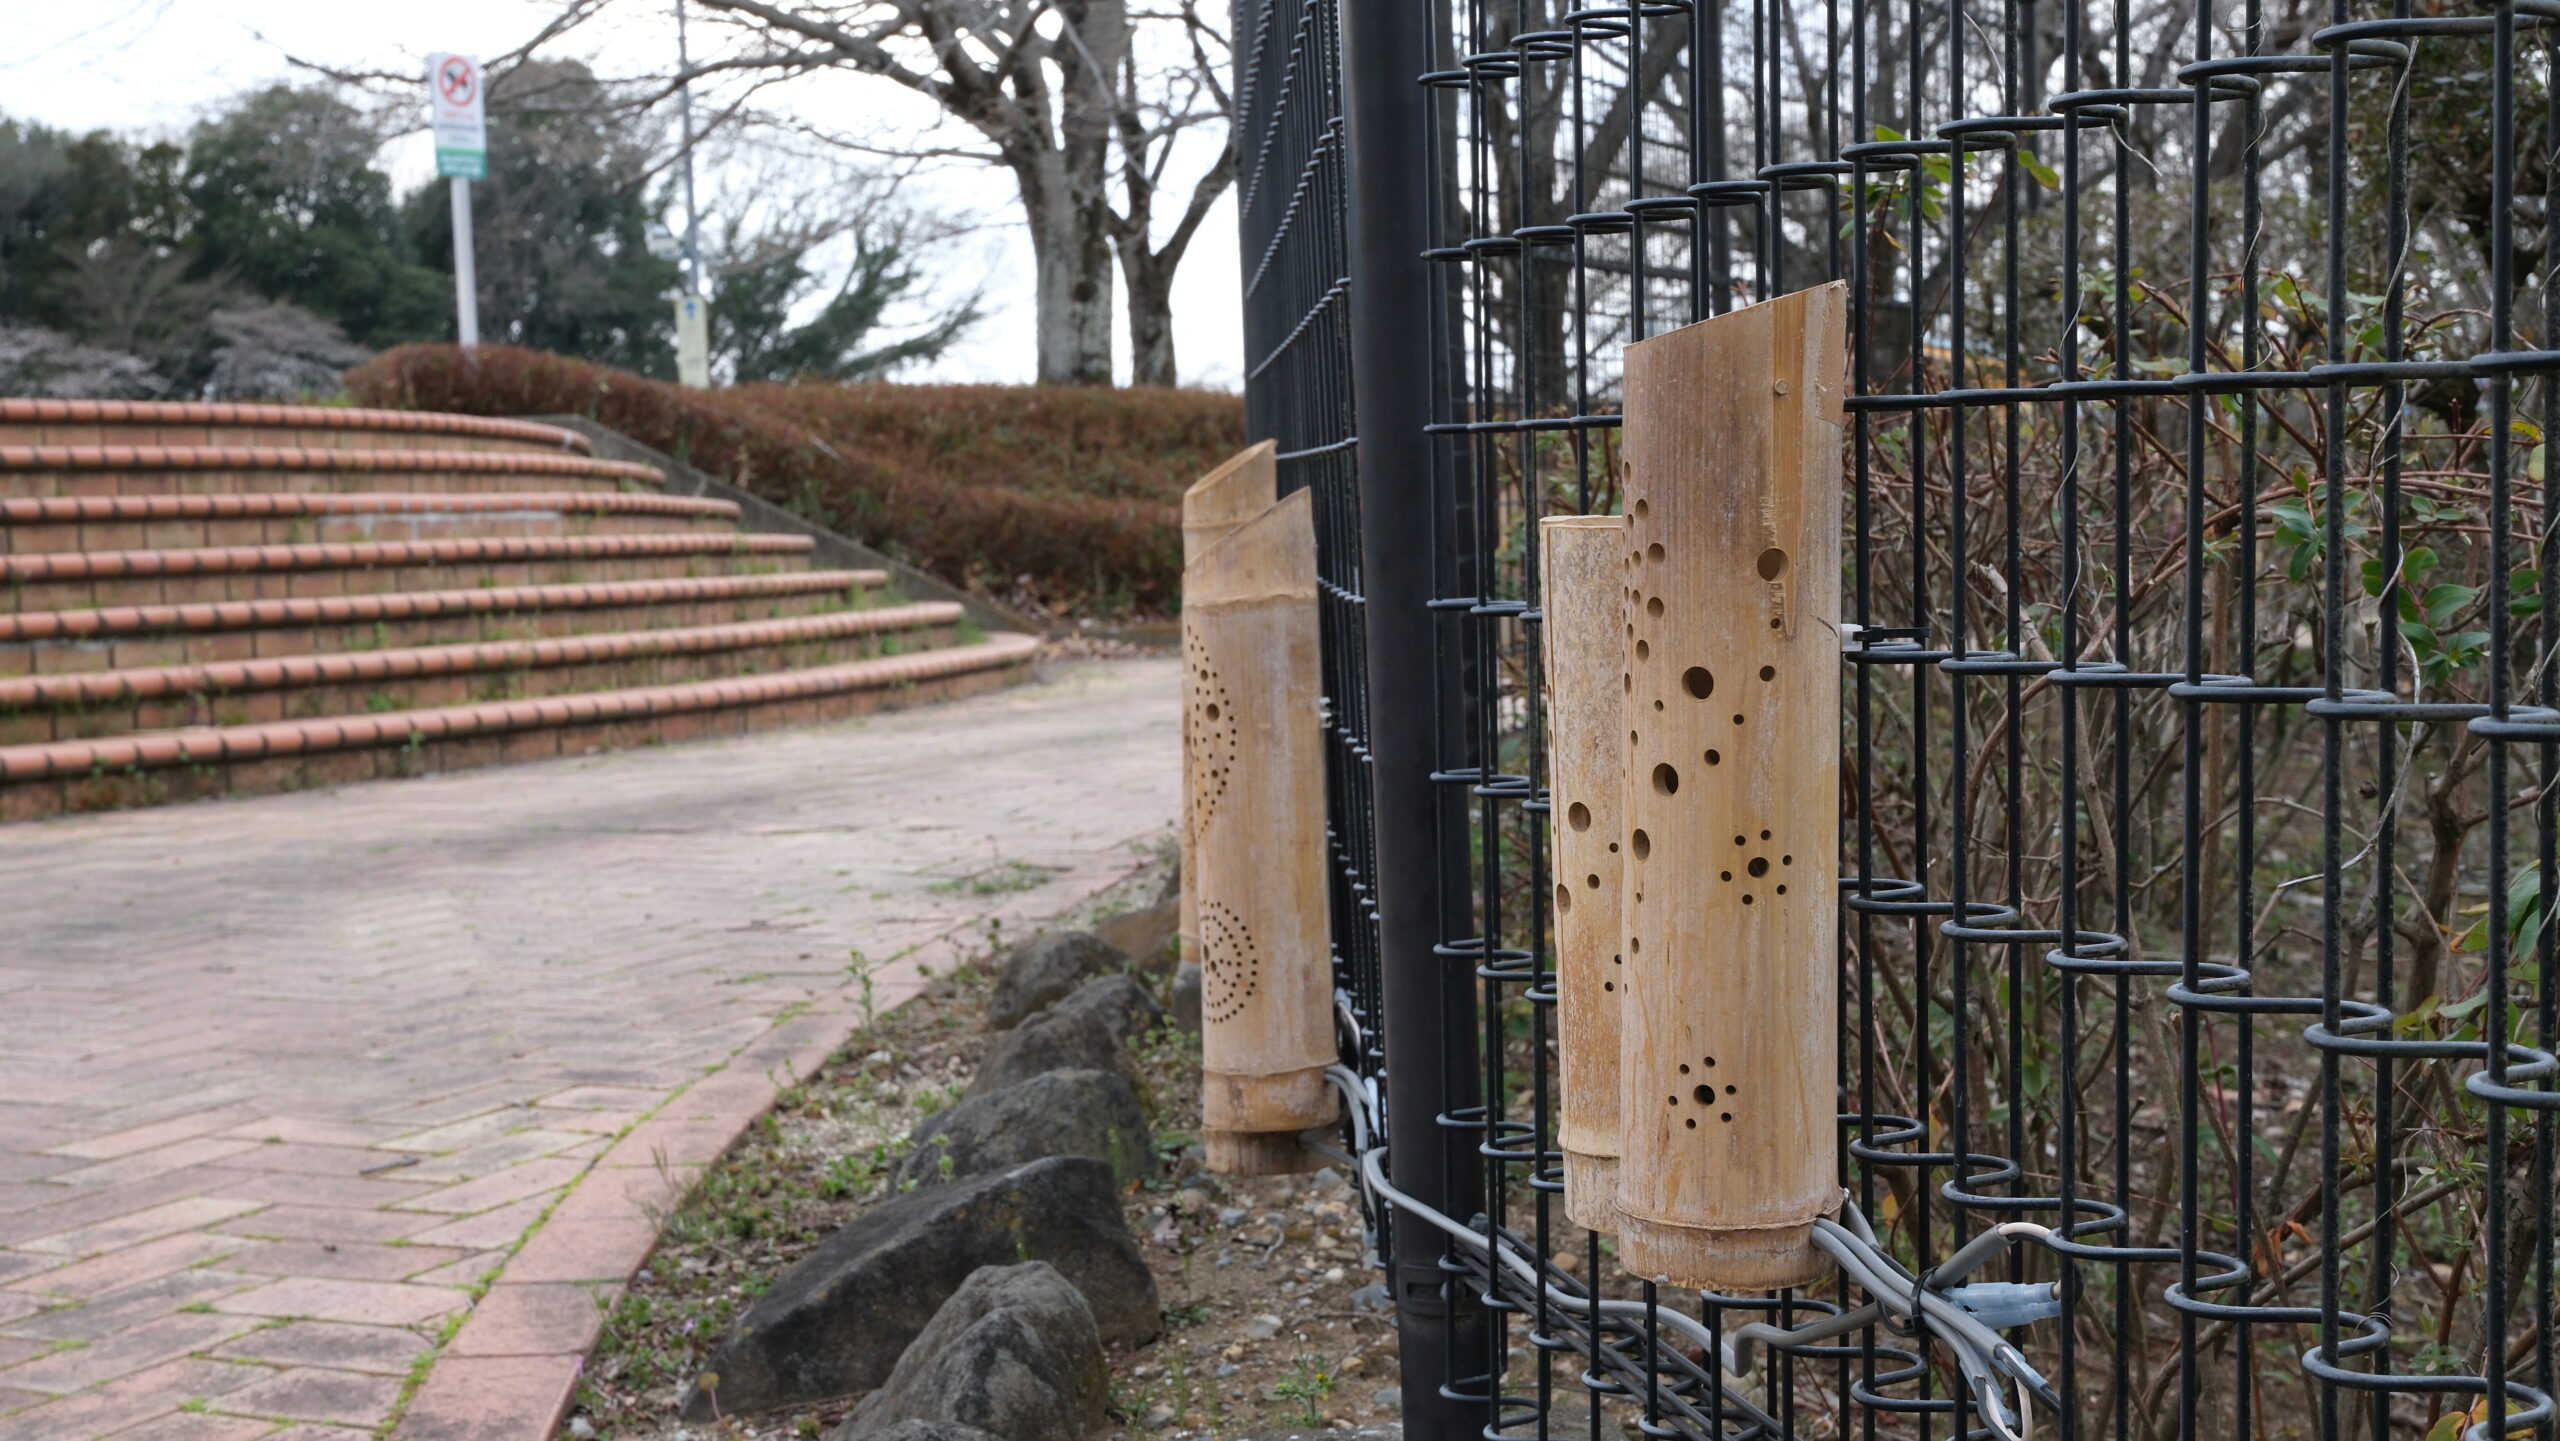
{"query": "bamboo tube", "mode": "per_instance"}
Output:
(1583, 579)
(1729, 1043)
(1255, 773)
(1241, 487)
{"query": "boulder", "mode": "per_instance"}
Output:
(929, 1431)
(1045, 970)
(836, 1323)
(1013, 1353)
(1057, 1113)
(1083, 1032)
(1146, 934)
(1186, 997)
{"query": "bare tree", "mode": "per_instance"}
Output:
(1157, 109)
(1032, 78)
(1060, 91)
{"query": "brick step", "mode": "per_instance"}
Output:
(145, 422)
(132, 522)
(128, 637)
(300, 687)
(43, 779)
(64, 580)
(41, 470)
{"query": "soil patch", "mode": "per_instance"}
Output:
(1264, 1333)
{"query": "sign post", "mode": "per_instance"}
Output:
(456, 100)
(693, 340)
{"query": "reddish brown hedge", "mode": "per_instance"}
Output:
(1070, 494)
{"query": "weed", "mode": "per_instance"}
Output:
(1001, 879)
(1308, 1383)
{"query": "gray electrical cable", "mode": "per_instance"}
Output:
(1982, 1355)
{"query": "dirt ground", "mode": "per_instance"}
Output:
(1274, 1322)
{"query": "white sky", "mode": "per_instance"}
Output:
(154, 66)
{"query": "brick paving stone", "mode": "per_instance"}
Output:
(471, 1270)
(383, 1350)
(126, 1351)
(148, 1261)
(490, 1398)
(325, 1223)
(373, 1303)
(500, 1227)
(481, 1193)
(199, 1426)
(492, 971)
(312, 1393)
(539, 1319)
(128, 1306)
(343, 1260)
(130, 1400)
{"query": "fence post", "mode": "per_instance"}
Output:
(1428, 999)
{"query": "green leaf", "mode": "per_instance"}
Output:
(2444, 602)
(2043, 174)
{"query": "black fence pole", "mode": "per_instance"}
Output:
(1428, 996)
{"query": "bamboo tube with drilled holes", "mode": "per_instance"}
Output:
(1254, 770)
(1241, 487)
(1583, 580)
(1729, 1041)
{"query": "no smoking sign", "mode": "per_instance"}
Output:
(456, 103)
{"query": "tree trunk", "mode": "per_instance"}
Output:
(1150, 318)
(1074, 255)
(1071, 271)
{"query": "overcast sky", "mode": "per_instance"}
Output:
(153, 66)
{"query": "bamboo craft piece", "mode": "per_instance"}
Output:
(1583, 570)
(1254, 772)
(1241, 487)
(1729, 1040)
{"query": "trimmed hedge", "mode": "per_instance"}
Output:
(1068, 497)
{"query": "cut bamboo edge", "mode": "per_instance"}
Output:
(1254, 783)
(1729, 1045)
(1241, 487)
(1582, 573)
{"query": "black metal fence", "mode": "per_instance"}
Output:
(2201, 723)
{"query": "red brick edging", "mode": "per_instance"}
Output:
(320, 458)
(418, 604)
(416, 662)
(359, 555)
(251, 505)
(55, 760)
(307, 417)
(511, 1371)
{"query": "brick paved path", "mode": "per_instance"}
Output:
(281, 1078)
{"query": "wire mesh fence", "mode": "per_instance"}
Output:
(2200, 715)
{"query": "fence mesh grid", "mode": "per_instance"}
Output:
(2201, 719)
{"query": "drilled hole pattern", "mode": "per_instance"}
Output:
(1230, 963)
(1212, 736)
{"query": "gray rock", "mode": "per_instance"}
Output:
(929, 1431)
(1083, 1032)
(835, 1323)
(1045, 970)
(1147, 934)
(1014, 1353)
(1186, 996)
(1056, 1113)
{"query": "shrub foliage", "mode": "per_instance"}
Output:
(1069, 498)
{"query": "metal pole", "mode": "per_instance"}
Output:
(684, 119)
(466, 279)
(1428, 998)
